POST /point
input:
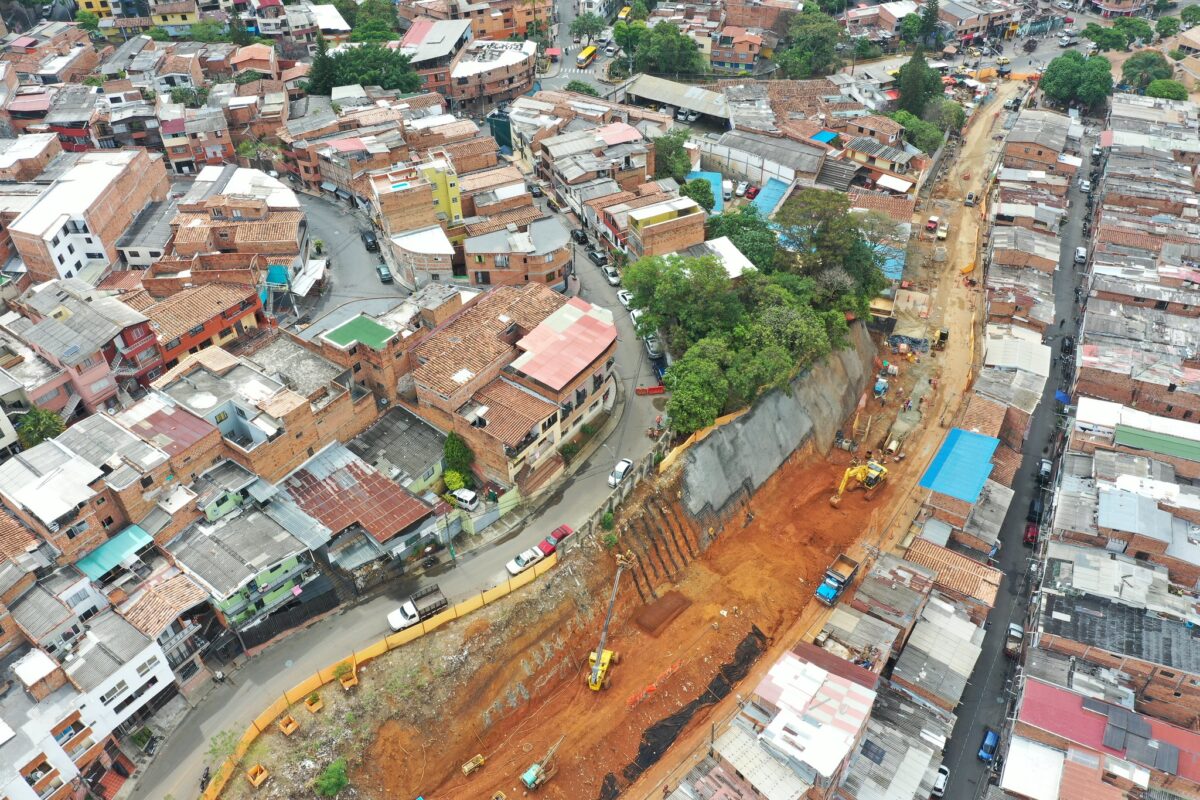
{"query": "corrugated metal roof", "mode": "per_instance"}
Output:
(1161, 443)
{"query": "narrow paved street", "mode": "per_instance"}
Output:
(990, 690)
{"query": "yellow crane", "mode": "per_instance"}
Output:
(601, 659)
(869, 475)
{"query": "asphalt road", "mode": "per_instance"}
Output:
(175, 771)
(990, 690)
(353, 270)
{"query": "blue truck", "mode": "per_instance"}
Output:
(839, 575)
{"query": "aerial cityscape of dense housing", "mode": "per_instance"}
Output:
(722, 399)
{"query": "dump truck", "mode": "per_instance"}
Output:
(839, 575)
(422, 605)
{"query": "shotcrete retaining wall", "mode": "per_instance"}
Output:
(736, 459)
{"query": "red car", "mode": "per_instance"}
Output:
(1031, 533)
(752, 193)
(560, 533)
(547, 546)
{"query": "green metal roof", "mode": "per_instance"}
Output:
(361, 329)
(1162, 443)
(113, 552)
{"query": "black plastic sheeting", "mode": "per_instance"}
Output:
(920, 345)
(661, 735)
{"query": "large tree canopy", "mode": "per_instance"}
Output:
(1074, 78)
(918, 83)
(1140, 69)
(369, 65)
(814, 45)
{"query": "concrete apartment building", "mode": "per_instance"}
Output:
(408, 198)
(433, 47)
(665, 227)
(25, 157)
(489, 19)
(73, 228)
(489, 72)
(969, 21)
(1038, 141)
(512, 256)
(735, 49)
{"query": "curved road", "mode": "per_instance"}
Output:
(175, 771)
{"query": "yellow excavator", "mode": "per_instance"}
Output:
(870, 475)
(601, 659)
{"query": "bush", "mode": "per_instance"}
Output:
(569, 450)
(457, 454)
(1177, 54)
(314, 698)
(588, 429)
(332, 780)
(454, 480)
(609, 541)
(607, 521)
(342, 670)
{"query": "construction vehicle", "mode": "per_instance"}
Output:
(869, 475)
(839, 575)
(545, 769)
(601, 659)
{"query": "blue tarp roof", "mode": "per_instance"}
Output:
(770, 196)
(893, 263)
(113, 552)
(277, 274)
(962, 465)
(714, 179)
(825, 137)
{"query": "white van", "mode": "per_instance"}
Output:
(727, 189)
(466, 499)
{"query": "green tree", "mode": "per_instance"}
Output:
(947, 115)
(639, 10)
(699, 190)
(87, 20)
(159, 34)
(378, 11)
(93, 80)
(583, 87)
(749, 231)
(457, 454)
(929, 20)
(1140, 69)
(698, 386)
(588, 25)
(670, 158)
(1166, 89)
(1106, 38)
(667, 50)
(332, 780)
(372, 31)
(1134, 28)
(37, 426)
(918, 83)
(1167, 26)
(1162, 5)
(919, 133)
(629, 36)
(349, 11)
(369, 65)
(865, 49)
(207, 31)
(249, 76)
(1190, 15)
(910, 29)
(1072, 77)
(684, 299)
(814, 46)
(453, 480)
(237, 32)
(192, 98)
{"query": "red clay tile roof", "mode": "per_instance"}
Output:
(160, 605)
(253, 52)
(1084, 782)
(983, 416)
(470, 342)
(957, 573)
(900, 209)
(340, 490)
(188, 308)
(520, 216)
(15, 538)
(125, 280)
(1007, 462)
(512, 411)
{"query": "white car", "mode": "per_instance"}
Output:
(1064, 5)
(681, 115)
(741, 188)
(619, 472)
(692, 116)
(624, 297)
(524, 561)
(939, 783)
(611, 275)
(1085, 186)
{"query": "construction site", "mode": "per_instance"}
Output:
(711, 572)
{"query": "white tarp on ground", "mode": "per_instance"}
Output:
(1032, 770)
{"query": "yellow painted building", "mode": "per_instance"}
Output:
(100, 8)
(443, 180)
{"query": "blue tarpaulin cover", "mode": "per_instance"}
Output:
(962, 465)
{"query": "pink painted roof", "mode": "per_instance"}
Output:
(173, 125)
(31, 102)
(618, 133)
(171, 428)
(347, 145)
(24, 41)
(417, 33)
(565, 343)
(1061, 712)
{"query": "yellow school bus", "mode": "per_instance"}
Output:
(586, 56)
(624, 15)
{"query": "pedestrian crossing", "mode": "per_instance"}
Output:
(573, 71)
